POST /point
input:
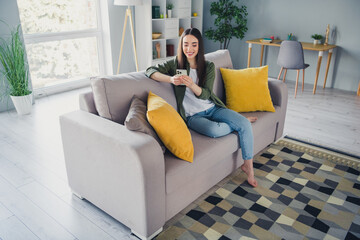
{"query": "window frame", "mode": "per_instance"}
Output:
(102, 35)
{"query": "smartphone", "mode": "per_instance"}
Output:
(180, 72)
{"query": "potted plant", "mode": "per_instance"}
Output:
(230, 22)
(169, 8)
(15, 72)
(317, 38)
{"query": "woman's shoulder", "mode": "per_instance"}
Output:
(209, 64)
(173, 61)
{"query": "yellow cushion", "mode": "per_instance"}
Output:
(247, 89)
(170, 127)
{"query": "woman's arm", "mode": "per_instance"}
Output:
(158, 76)
(167, 68)
(205, 91)
(190, 84)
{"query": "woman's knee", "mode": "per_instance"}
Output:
(219, 130)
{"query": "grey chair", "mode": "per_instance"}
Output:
(291, 56)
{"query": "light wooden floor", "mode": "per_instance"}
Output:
(36, 203)
(330, 118)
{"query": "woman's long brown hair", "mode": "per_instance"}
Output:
(200, 59)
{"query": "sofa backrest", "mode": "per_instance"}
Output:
(111, 95)
(221, 59)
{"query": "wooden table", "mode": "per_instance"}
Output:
(321, 48)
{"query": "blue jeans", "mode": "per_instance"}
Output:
(217, 122)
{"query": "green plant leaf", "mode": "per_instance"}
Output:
(15, 80)
(230, 22)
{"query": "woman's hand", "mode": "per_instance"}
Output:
(176, 80)
(187, 81)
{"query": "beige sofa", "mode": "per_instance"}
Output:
(126, 174)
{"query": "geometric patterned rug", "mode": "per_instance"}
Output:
(304, 192)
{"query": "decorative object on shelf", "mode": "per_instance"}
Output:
(161, 15)
(157, 46)
(156, 35)
(181, 30)
(317, 38)
(169, 8)
(327, 35)
(272, 37)
(128, 14)
(15, 80)
(290, 36)
(195, 14)
(154, 54)
(226, 11)
(170, 50)
(156, 12)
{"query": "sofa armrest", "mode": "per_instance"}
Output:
(120, 171)
(279, 97)
(278, 92)
(87, 103)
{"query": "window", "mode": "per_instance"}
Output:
(64, 41)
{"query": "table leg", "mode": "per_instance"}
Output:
(318, 70)
(327, 66)
(262, 54)
(249, 55)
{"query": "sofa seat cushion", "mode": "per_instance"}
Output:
(207, 152)
(265, 120)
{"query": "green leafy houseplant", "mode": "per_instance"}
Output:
(230, 22)
(15, 69)
(170, 6)
(317, 36)
(15, 72)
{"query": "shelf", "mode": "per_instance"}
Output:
(163, 59)
(169, 28)
(158, 40)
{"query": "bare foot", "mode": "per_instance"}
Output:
(248, 168)
(252, 119)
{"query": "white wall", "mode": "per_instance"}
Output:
(302, 18)
(116, 18)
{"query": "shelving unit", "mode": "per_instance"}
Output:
(145, 25)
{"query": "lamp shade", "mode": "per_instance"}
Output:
(128, 2)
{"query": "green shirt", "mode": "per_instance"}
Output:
(169, 68)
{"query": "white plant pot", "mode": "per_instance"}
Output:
(169, 13)
(23, 104)
(316, 41)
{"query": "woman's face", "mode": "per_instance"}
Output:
(190, 46)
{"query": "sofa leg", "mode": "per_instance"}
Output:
(147, 238)
(77, 195)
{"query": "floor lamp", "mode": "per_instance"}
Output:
(128, 14)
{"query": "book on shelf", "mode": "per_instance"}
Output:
(266, 40)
